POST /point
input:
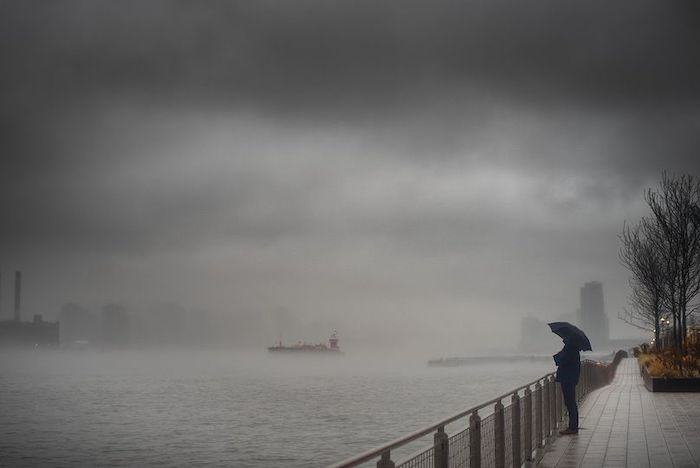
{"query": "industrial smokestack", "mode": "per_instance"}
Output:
(18, 292)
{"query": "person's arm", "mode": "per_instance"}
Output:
(565, 356)
(559, 357)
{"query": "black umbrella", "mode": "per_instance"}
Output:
(574, 335)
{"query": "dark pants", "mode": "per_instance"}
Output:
(568, 390)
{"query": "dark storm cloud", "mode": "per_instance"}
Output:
(316, 53)
(365, 62)
(433, 75)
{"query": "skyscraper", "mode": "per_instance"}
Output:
(592, 317)
(116, 325)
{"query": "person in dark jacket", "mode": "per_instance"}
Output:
(568, 362)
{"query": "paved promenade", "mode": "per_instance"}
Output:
(623, 425)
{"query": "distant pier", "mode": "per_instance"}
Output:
(468, 360)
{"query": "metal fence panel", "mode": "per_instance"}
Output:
(423, 459)
(508, 426)
(459, 449)
(534, 441)
(523, 446)
(488, 446)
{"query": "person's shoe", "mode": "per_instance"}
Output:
(568, 432)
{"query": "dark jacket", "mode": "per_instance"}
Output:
(568, 362)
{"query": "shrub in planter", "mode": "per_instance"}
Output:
(670, 365)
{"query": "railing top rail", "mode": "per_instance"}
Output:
(375, 452)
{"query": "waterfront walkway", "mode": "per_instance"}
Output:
(624, 425)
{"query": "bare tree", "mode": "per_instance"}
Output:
(672, 233)
(647, 278)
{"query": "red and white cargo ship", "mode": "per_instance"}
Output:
(302, 347)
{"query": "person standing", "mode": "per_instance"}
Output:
(568, 362)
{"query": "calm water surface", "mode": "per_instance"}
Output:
(221, 408)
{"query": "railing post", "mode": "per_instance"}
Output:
(538, 414)
(475, 440)
(553, 403)
(546, 416)
(385, 461)
(499, 439)
(527, 433)
(557, 402)
(441, 448)
(515, 429)
(579, 386)
(564, 410)
(561, 404)
(599, 379)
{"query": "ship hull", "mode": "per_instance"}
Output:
(300, 350)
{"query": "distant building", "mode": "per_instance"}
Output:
(535, 335)
(36, 333)
(116, 325)
(592, 318)
(78, 325)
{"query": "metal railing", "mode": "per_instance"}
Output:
(508, 436)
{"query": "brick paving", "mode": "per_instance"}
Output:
(624, 425)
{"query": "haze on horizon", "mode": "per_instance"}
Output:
(413, 174)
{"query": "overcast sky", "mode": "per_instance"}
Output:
(431, 171)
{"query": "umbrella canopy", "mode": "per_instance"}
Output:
(571, 333)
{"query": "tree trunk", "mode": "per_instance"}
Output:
(657, 331)
(675, 331)
(684, 330)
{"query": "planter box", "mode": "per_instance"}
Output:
(663, 384)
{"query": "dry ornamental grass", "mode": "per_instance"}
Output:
(671, 365)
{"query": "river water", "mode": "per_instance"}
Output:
(222, 408)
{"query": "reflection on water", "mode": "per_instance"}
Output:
(183, 407)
